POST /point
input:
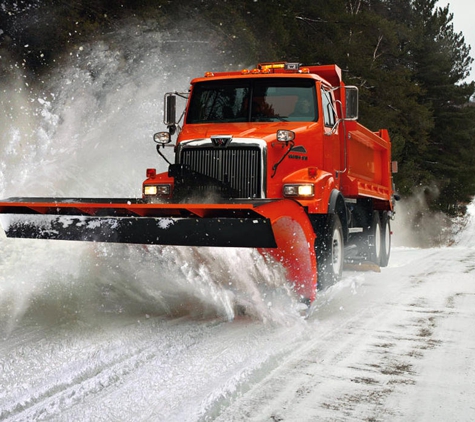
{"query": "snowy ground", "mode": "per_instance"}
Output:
(397, 345)
(119, 333)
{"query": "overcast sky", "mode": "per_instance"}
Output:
(464, 21)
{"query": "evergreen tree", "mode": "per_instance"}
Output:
(441, 62)
(404, 56)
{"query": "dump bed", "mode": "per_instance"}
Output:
(368, 164)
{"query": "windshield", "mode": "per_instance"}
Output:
(253, 100)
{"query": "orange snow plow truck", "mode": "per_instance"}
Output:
(271, 158)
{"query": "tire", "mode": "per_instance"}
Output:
(385, 239)
(329, 249)
(375, 239)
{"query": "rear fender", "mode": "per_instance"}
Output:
(337, 205)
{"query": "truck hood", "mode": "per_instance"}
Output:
(261, 130)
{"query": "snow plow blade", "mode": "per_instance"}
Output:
(280, 228)
(132, 221)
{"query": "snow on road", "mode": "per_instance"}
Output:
(396, 345)
(120, 333)
(392, 346)
(110, 332)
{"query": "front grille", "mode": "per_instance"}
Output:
(238, 168)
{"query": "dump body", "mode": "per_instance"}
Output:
(369, 165)
(271, 158)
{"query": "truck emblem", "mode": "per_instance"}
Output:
(221, 140)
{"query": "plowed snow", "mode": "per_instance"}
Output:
(89, 343)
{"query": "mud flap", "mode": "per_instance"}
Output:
(362, 266)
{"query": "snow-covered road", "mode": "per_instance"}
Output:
(396, 345)
(92, 332)
(392, 346)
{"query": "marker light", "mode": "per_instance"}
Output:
(209, 74)
(151, 173)
(284, 135)
(299, 190)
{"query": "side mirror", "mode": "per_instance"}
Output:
(351, 100)
(162, 138)
(169, 116)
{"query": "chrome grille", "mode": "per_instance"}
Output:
(240, 168)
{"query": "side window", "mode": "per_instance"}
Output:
(328, 111)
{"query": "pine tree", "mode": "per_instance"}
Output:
(441, 62)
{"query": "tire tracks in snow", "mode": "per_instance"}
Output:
(82, 363)
(355, 361)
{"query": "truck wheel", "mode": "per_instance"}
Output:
(385, 239)
(375, 239)
(330, 253)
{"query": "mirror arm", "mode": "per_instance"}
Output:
(290, 145)
(345, 139)
(161, 155)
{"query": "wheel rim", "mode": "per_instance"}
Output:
(337, 254)
(377, 241)
(387, 238)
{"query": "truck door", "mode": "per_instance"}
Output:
(331, 138)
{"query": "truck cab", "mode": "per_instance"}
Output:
(270, 158)
(283, 131)
(272, 132)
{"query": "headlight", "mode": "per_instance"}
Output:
(299, 190)
(150, 190)
(156, 190)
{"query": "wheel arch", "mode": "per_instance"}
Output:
(337, 206)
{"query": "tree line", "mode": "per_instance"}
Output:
(404, 55)
(409, 64)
